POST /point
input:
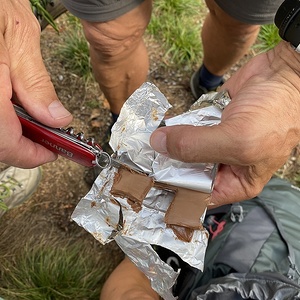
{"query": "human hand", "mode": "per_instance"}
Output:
(24, 78)
(258, 129)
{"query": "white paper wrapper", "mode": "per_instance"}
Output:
(110, 218)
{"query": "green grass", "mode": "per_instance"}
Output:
(176, 25)
(39, 6)
(74, 52)
(268, 38)
(4, 193)
(296, 179)
(52, 272)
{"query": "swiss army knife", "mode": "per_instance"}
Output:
(64, 141)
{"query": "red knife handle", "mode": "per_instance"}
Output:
(57, 144)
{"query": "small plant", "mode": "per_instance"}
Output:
(39, 9)
(7, 186)
(176, 24)
(49, 271)
(4, 193)
(268, 38)
(2, 205)
(75, 50)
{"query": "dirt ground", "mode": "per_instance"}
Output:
(47, 213)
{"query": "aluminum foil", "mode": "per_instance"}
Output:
(110, 218)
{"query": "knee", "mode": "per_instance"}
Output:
(108, 43)
(119, 37)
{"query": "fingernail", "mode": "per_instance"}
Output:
(158, 142)
(57, 110)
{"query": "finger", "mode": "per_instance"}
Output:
(5, 84)
(234, 184)
(30, 80)
(26, 154)
(195, 144)
(15, 149)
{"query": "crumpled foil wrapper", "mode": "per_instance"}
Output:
(110, 218)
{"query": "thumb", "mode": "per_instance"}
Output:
(193, 143)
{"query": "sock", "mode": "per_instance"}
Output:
(114, 117)
(209, 80)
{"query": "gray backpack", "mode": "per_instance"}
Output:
(254, 252)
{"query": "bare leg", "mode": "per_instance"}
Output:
(128, 282)
(225, 40)
(118, 55)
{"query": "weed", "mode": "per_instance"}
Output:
(268, 38)
(39, 8)
(75, 50)
(175, 24)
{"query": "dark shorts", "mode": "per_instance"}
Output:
(100, 10)
(247, 11)
(251, 11)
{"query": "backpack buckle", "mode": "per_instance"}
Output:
(236, 213)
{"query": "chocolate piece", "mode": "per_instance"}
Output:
(186, 208)
(165, 186)
(183, 214)
(183, 233)
(131, 184)
(135, 206)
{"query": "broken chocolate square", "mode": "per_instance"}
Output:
(186, 208)
(131, 184)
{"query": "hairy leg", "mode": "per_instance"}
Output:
(118, 54)
(225, 39)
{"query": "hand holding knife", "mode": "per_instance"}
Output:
(64, 142)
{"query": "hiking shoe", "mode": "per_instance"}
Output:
(17, 185)
(197, 89)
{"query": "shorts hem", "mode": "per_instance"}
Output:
(104, 13)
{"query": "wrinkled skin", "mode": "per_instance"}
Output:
(23, 78)
(258, 130)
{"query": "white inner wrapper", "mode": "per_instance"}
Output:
(110, 218)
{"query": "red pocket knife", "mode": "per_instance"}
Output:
(64, 142)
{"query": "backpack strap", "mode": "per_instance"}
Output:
(293, 272)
